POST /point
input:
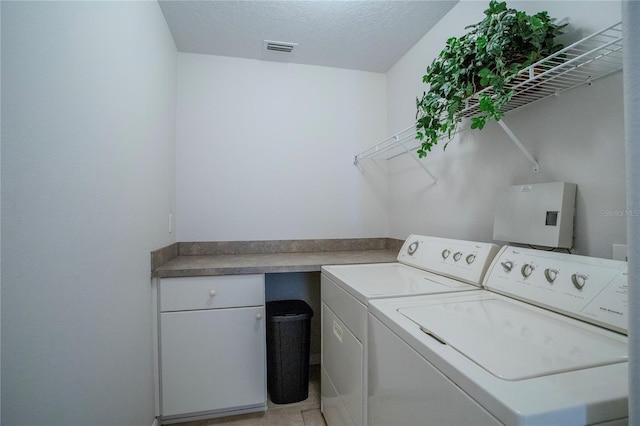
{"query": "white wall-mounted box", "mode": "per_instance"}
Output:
(538, 214)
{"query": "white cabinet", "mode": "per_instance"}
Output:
(211, 339)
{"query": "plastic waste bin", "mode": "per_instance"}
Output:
(288, 335)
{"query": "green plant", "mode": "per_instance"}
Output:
(491, 53)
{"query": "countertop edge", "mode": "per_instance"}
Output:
(261, 263)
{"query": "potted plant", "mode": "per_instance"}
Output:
(491, 53)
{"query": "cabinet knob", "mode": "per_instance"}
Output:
(212, 293)
(258, 316)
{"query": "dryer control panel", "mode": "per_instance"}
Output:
(462, 260)
(587, 288)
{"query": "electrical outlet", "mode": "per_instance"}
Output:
(619, 252)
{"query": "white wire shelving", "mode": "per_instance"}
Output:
(582, 62)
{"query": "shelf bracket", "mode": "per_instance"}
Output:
(400, 140)
(514, 138)
(415, 158)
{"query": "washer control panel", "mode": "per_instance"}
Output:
(588, 288)
(463, 260)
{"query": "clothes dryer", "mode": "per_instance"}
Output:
(426, 265)
(545, 344)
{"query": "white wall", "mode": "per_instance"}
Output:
(577, 137)
(88, 182)
(265, 151)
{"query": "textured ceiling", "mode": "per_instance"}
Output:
(361, 35)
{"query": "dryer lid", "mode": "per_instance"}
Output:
(514, 342)
(381, 280)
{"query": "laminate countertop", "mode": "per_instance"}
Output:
(232, 258)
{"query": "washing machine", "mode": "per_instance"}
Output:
(425, 265)
(544, 344)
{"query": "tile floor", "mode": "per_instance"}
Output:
(303, 413)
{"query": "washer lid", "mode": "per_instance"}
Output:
(377, 280)
(514, 342)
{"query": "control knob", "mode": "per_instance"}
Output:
(413, 247)
(470, 259)
(550, 274)
(526, 270)
(446, 253)
(457, 255)
(579, 280)
(507, 265)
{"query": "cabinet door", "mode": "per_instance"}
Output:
(212, 360)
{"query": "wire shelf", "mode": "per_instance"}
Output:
(584, 61)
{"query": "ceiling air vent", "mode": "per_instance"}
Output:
(279, 46)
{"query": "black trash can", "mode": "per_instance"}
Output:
(288, 335)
